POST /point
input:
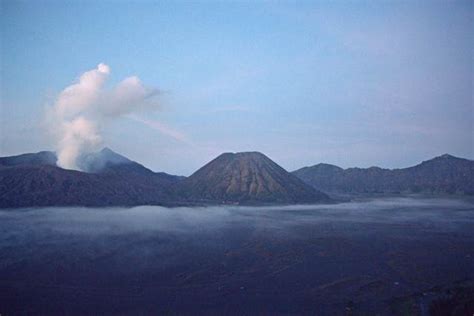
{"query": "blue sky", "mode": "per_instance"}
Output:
(352, 83)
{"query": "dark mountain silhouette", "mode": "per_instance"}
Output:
(248, 177)
(445, 174)
(110, 179)
(37, 159)
(242, 178)
(35, 180)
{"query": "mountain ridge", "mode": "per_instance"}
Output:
(33, 179)
(444, 174)
(111, 179)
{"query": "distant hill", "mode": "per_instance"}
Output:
(247, 178)
(445, 174)
(35, 180)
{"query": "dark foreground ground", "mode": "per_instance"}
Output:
(401, 256)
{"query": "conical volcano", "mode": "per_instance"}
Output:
(247, 178)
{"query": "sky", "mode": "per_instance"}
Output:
(352, 83)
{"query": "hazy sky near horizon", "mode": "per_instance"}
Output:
(353, 83)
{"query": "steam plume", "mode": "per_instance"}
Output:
(81, 109)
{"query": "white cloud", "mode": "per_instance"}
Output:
(80, 110)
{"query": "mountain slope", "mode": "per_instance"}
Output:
(107, 160)
(248, 177)
(31, 180)
(445, 174)
(36, 159)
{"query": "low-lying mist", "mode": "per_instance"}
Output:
(80, 220)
